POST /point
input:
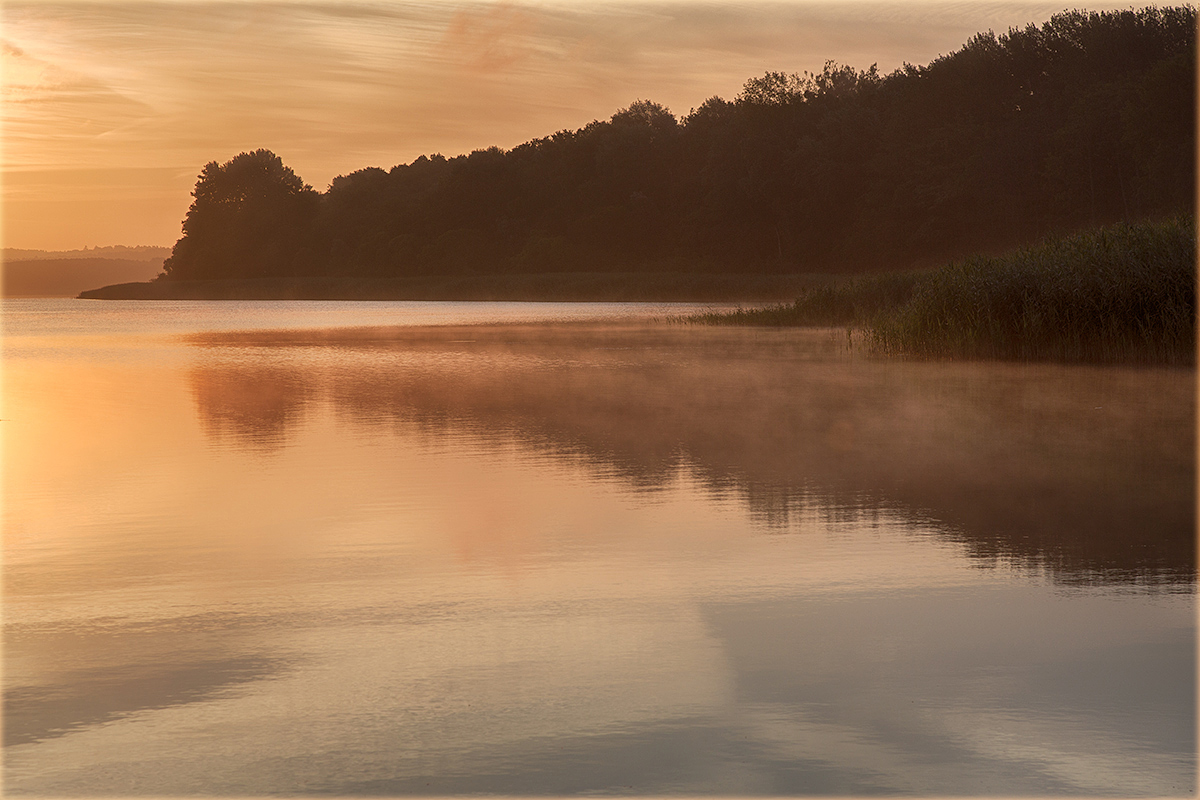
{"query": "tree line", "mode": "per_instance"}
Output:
(1085, 120)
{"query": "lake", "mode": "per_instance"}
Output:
(445, 548)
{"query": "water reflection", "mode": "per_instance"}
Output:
(1087, 473)
(255, 406)
(93, 696)
(800, 667)
(565, 560)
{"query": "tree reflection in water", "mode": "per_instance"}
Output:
(1087, 473)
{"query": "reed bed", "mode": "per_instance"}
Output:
(1124, 293)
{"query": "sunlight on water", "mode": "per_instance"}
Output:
(256, 552)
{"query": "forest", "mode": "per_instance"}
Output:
(1085, 120)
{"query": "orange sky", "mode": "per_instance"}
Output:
(110, 109)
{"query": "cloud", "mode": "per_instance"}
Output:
(45, 104)
(490, 38)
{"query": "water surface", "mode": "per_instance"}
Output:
(439, 548)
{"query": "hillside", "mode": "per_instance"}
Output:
(1085, 120)
(118, 252)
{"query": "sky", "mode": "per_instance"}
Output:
(111, 109)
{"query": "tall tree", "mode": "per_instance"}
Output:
(250, 218)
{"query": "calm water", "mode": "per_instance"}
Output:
(370, 549)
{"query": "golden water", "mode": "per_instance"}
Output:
(289, 548)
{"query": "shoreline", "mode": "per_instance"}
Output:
(541, 287)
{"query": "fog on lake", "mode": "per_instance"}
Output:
(443, 548)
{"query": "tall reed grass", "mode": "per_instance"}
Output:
(1124, 293)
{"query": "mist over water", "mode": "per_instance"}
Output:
(281, 552)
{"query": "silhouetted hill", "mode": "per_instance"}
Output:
(118, 252)
(1085, 120)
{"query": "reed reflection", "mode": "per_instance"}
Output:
(1085, 473)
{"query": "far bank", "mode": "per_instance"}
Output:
(551, 287)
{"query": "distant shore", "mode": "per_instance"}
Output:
(1119, 294)
(558, 286)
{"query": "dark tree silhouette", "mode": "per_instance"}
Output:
(248, 219)
(1085, 120)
